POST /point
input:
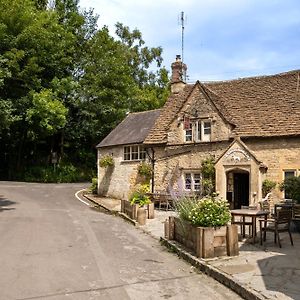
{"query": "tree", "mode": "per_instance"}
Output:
(64, 84)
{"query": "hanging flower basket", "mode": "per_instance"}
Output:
(106, 161)
(145, 169)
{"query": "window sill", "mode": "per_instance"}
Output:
(132, 161)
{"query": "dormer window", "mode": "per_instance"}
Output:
(199, 131)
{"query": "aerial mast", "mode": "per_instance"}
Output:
(182, 21)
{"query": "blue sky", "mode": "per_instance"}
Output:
(224, 39)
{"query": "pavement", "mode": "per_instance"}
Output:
(258, 272)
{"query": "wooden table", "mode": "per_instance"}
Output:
(251, 213)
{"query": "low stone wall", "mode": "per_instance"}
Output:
(205, 242)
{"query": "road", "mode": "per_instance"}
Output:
(52, 246)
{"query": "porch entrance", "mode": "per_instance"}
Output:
(238, 188)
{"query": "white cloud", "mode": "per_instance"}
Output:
(221, 37)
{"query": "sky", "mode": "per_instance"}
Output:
(223, 39)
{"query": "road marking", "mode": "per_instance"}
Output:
(76, 195)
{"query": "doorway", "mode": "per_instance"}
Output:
(238, 189)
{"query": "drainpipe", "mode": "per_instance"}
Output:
(152, 160)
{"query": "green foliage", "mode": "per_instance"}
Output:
(206, 212)
(145, 169)
(94, 186)
(184, 206)
(208, 176)
(65, 84)
(46, 113)
(291, 186)
(106, 161)
(210, 212)
(139, 195)
(58, 174)
(268, 186)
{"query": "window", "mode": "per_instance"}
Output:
(192, 181)
(199, 131)
(134, 153)
(203, 131)
(189, 133)
(206, 131)
(127, 153)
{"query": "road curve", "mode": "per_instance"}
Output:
(52, 246)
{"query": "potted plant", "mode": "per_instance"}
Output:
(139, 207)
(106, 161)
(203, 226)
(291, 186)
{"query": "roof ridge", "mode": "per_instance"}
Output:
(144, 111)
(225, 114)
(251, 77)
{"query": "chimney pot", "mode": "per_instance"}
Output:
(178, 75)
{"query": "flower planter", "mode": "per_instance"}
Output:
(132, 210)
(205, 242)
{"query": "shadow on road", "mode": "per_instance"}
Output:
(4, 202)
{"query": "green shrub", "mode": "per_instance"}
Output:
(139, 195)
(291, 186)
(268, 186)
(61, 173)
(206, 212)
(94, 186)
(210, 212)
(208, 176)
(106, 161)
(184, 206)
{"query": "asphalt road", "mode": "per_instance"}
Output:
(52, 246)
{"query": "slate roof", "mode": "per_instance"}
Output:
(132, 130)
(257, 106)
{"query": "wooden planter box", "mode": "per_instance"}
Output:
(205, 242)
(131, 210)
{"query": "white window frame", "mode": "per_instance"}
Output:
(201, 131)
(135, 153)
(188, 133)
(195, 178)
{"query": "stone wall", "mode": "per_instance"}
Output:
(117, 181)
(220, 130)
(171, 162)
(278, 154)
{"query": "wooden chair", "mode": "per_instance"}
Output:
(244, 223)
(280, 223)
(296, 212)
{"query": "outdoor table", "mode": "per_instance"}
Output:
(162, 200)
(253, 214)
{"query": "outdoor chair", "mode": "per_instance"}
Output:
(280, 223)
(244, 223)
(296, 212)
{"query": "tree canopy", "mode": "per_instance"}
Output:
(64, 83)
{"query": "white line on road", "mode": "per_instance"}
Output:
(76, 195)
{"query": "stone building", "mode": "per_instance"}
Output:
(250, 126)
(125, 145)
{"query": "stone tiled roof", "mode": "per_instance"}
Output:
(132, 130)
(158, 133)
(256, 106)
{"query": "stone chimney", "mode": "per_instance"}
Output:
(178, 75)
